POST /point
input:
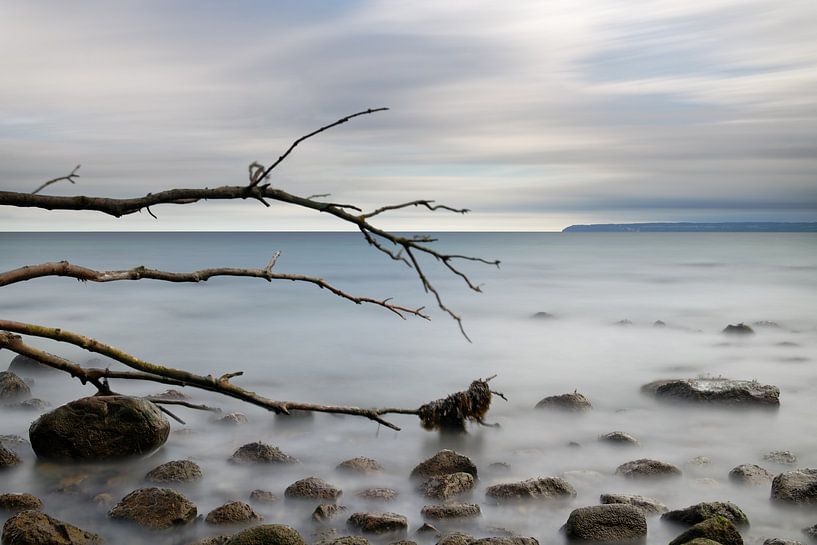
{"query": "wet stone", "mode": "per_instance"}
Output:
(645, 468)
(36, 528)
(177, 471)
(782, 457)
(261, 453)
(427, 528)
(231, 419)
(778, 541)
(608, 523)
(705, 510)
(24, 366)
(648, 506)
(455, 538)
(157, 508)
(14, 503)
(515, 540)
(619, 438)
(263, 496)
(327, 511)
(798, 486)
(750, 474)
(348, 540)
(575, 403)
(451, 511)
(12, 387)
(718, 529)
(8, 458)
(447, 486)
(719, 391)
(378, 523)
(444, 462)
(267, 534)
(360, 466)
(378, 494)
(738, 329)
(232, 513)
(548, 488)
(312, 488)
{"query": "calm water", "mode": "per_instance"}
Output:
(297, 342)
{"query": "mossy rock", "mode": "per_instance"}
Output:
(267, 534)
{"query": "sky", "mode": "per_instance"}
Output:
(534, 114)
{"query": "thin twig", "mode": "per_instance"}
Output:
(69, 178)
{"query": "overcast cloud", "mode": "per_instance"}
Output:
(534, 114)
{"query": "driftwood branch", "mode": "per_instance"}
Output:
(85, 274)
(449, 413)
(69, 178)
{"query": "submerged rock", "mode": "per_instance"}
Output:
(360, 466)
(327, 511)
(719, 529)
(548, 488)
(543, 316)
(447, 486)
(12, 387)
(231, 419)
(705, 510)
(157, 508)
(444, 462)
(606, 523)
(19, 502)
(312, 488)
(738, 329)
(267, 534)
(513, 540)
(574, 402)
(235, 512)
(378, 523)
(778, 541)
(263, 496)
(8, 458)
(798, 486)
(619, 438)
(378, 494)
(177, 471)
(646, 468)
(782, 457)
(348, 540)
(750, 474)
(99, 428)
(261, 453)
(720, 391)
(648, 506)
(451, 511)
(455, 538)
(36, 528)
(26, 367)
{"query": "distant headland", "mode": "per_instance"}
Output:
(688, 227)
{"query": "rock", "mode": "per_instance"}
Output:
(24, 366)
(646, 468)
(606, 523)
(543, 316)
(12, 387)
(749, 474)
(349, 540)
(32, 404)
(99, 428)
(327, 511)
(699, 461)
(36, 528)
(499, 468)
(705, 510)
(261, 453)
(103, 500)
(583, 477)
(403, 542)
(444, 462)
(378, 494)
(811, 531)
(263, 496)
(378, 523)
(624, 322)
(721, 391)
(447, 486)
(738, 329)
(212, 540)
(778, 541)
(427, 528)
(451, 511)
(8, 458)
(548, 488)
(171, 395)
(455, 538)
(235, 512)
(574, 403)
(659, 323)
(719, 529)
(798, 486)
(157, 508)
(517, 540)
(312, 488)
(619, 438)
(360, 466)
(177, 471)
(231, 419)
(12, 442)
(782, 457)
(648, 506)
(267, 534)
(19, 502)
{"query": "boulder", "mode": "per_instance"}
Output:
(312, 488)
(720, 391)
(8, 458)
(12, 387)
(719, 529)
(267, 534)
(444, 462)
(619, 438)
(574, 403)
(738, 329)
(547, 488)
(15, 503)
(327, 511)
(447, 486)
(156, 508)
(177, 471)
(778, 541)
(606, 523)
(261, 453)
(648, 506)
(99, 428)
(235, 512)
(750, 474)
(451, 511)
(263, 496)
(378, 523)
(360, 466)
(26, 367)
(645, 468)
(798, 486)
(378, 494)
(782, 457)
(705, 510)
(36, 528)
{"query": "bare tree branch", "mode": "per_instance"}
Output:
(64, 268)
(426, 203)
(69, 178)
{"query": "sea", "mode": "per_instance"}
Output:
(294, 341)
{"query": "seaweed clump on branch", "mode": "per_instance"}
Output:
(451, 413)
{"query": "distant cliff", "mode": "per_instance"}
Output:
(733, 227)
